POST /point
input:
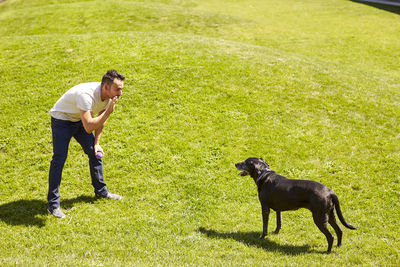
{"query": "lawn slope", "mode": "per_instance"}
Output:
(207, 86)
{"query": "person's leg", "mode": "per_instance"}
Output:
(96, 165)
(62, 133)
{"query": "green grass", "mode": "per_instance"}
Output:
(310, 86)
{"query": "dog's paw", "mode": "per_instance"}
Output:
(263, 236)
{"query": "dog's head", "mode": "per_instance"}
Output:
(252, 167)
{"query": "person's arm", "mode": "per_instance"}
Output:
(97, 134)
(92, 124)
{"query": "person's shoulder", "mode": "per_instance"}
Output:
(89, 85)
(87, 88)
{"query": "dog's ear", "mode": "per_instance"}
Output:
(264, 162)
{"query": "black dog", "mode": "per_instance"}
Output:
(280, 194)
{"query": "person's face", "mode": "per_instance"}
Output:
(114, 89)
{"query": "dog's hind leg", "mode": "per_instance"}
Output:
(278, 222)
(321, 222)
(338, 231)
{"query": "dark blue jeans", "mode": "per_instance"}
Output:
(63, 131)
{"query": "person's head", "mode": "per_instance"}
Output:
(112, 84)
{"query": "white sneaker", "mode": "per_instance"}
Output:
(109, 196)
(56, 213)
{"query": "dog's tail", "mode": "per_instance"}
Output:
(339, 212)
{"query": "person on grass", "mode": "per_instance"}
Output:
(73, 115)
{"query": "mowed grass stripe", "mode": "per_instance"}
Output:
(193, 106)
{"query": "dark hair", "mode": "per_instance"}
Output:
(110, 76)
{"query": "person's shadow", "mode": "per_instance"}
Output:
(31, 212)
(252, 239)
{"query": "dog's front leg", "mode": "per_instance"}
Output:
(265, 216)
(278, 221)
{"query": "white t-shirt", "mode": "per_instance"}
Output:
(84, 96)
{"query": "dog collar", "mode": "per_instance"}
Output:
(262, 173)
(260, 179)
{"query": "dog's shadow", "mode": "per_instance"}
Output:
(32, 212)
(252, 239)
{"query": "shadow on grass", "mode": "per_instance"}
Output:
(252, 239)
(31, 212)
(393, 9)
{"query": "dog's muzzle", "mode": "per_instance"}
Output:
(239, 167)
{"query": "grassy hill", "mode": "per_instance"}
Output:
(313, 87)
